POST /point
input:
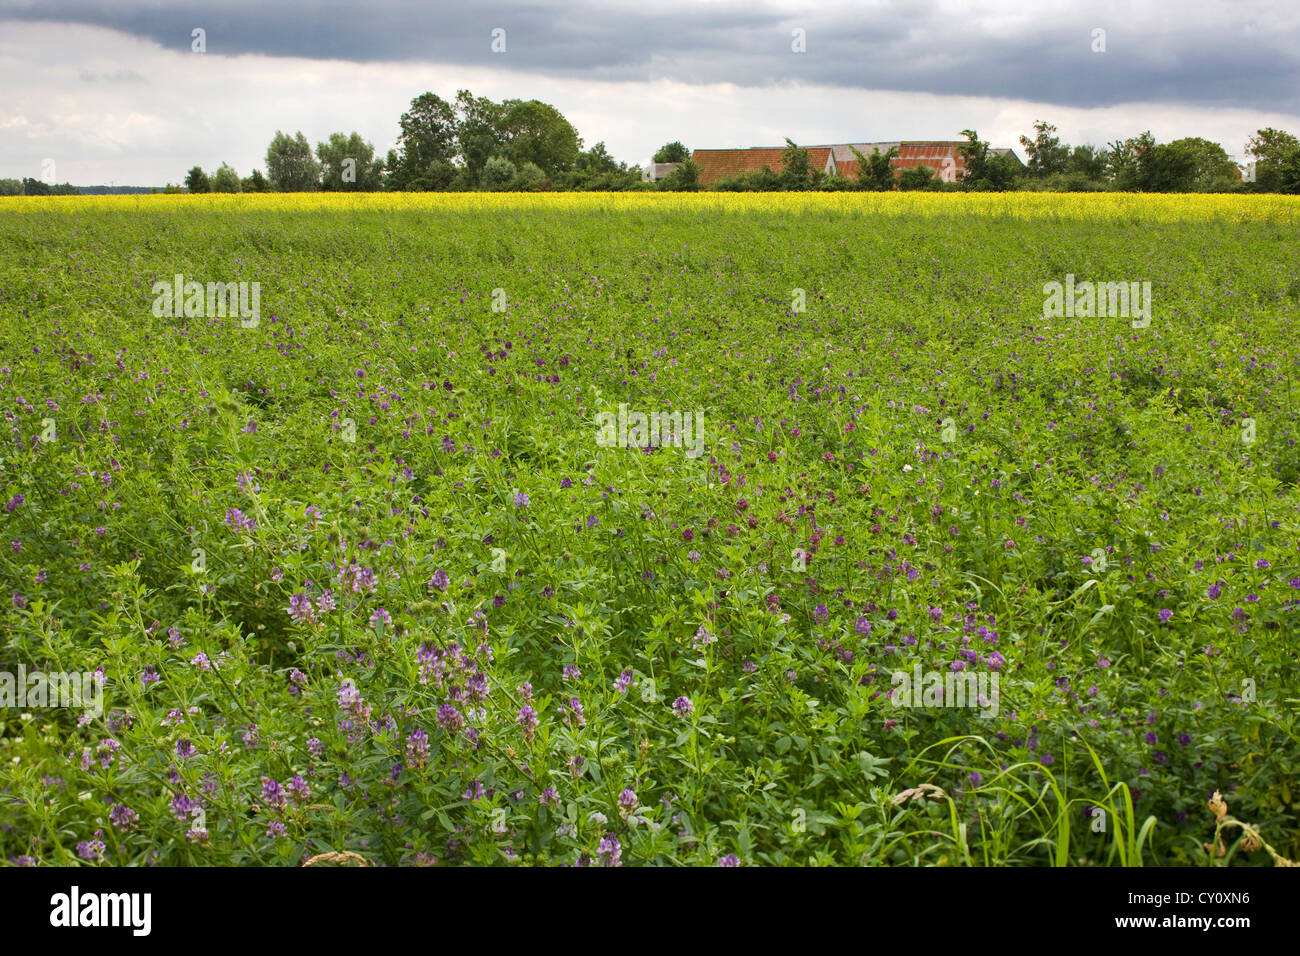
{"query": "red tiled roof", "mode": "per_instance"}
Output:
(716, 164)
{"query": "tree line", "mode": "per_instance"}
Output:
(475, 143)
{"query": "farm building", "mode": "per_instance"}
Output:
(941, 156)
(716, 164)
(653, 172)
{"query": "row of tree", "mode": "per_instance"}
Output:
(474, 142)
(1138, 164)
(471, 143)
(35, 187)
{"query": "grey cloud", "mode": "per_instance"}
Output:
(908, 46)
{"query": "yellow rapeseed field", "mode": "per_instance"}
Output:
(1115, 207)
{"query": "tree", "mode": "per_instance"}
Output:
(1046, 154)
(11, 187)
(225, 180)
(290, 164)
(196, 181)
(918, 177)
(538, 133)
(348, 163)
(1277, 160)
(674, 152)
(597, 161)
(983, 169)
(498, 172)
(685, 178)
(529, 176)
(35, 187)
(255, 183)
(1087, 161)
(796, 171)
(876, 172)
(428, 136)
(1141, 164)
(478, 131)
(1211, 166)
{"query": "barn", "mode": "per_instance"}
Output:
(837, 159)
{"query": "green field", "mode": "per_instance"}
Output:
(362, 573)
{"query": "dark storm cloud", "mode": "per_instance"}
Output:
(1213, 58)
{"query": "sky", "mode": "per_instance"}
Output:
(117, 92)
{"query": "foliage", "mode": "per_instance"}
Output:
(290, 164)
(436, 621)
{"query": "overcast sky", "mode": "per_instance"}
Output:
(112, 90)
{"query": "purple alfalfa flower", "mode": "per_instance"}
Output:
(527, 721)
(185, 749)
(417, 748)
(1184, 740)
(439, 580)
(275, 829)
(349, 697)
(522, 500)
(624, 681)
(609, 851)
(1213, 591)
(862, 627)
(299, 791)
(300, 609)
(182, 806)
(1263, 564)
(380, 618)
(13, 503)
(150, 676)
(693, 557)
(627, 802)
(174, 639)
(273, 794)
(123, 817)
(573, 709)
(92, 850)
(820, 614)
(315, 747)
(237, 520)
(474, 791)
(1165, 615)
(729, 860)
(19, 601)
(703, 637)
(201, 661)
(995, 661)
(325, 603)
(548, 797)
(571, 672)
(450, 719)
(683, 707)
